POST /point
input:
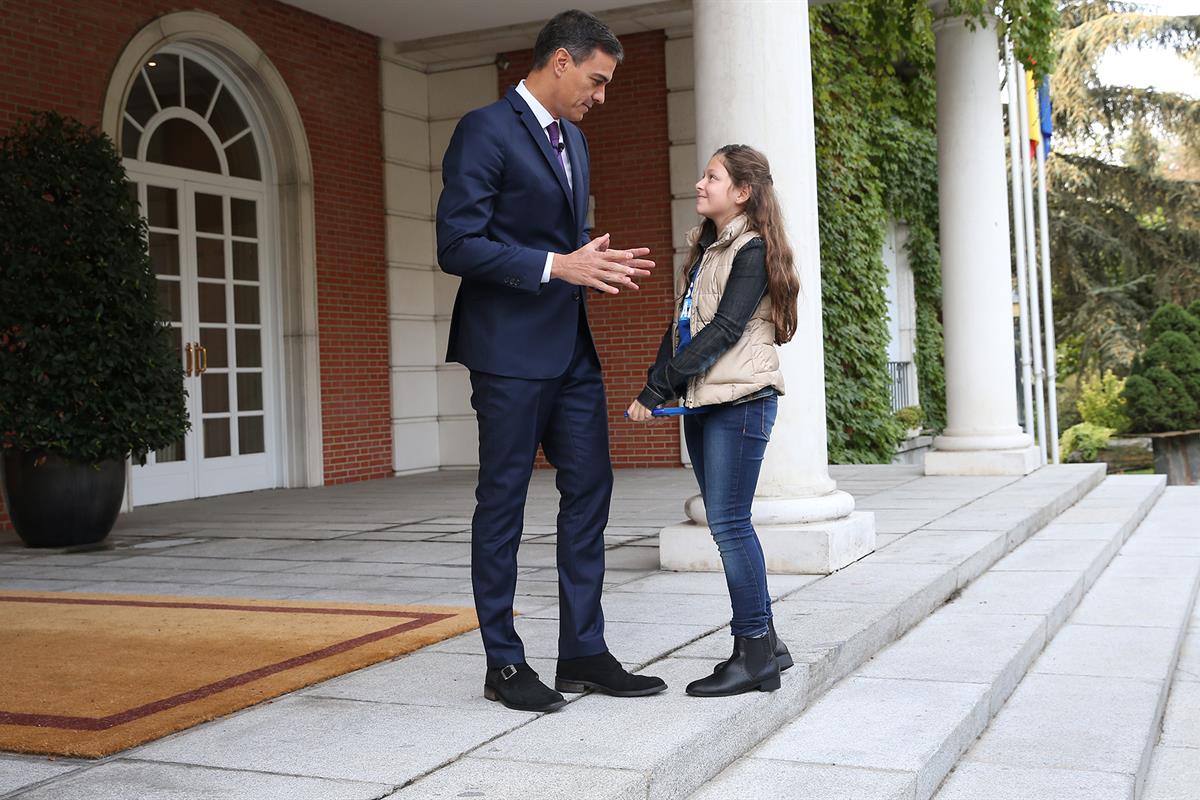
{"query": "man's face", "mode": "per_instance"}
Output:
(581, 86)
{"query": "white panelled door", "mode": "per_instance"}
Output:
(207, 255)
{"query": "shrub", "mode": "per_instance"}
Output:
(911, 417)
(87, 370)
(1157, 401)
(1100, 402)
(1170, 317)
(1175, 352)
(1084, 441)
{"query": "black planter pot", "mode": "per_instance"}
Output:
(54, 502)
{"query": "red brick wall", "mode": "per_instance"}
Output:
(56, 55)
(630, 161)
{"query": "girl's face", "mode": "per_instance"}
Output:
(716, 196)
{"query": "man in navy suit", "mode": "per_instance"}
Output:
(512, 223)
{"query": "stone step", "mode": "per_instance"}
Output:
(896, 726)
(1175, 765)
(1084, 722)
(668, 746)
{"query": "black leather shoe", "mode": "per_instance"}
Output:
(517, 687)
(753, 666)
(604, 674)
(782, 655)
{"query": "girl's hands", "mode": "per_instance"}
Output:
(638, 412)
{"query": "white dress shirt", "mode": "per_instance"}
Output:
(544, 119)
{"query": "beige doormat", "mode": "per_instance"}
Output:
(87, 675)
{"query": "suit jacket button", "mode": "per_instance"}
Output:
(575, 295)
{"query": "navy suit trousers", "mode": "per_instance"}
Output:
(568, 416)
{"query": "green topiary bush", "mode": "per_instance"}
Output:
(1083, 442)
(1175, 352)
(1170, 317)
(1100, 402)
(1157, 402)
(1162, 392)
(87, 370)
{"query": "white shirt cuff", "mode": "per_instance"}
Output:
(546, 271)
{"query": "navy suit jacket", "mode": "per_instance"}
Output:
(505, 204)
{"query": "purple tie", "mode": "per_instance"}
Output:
(556, 144)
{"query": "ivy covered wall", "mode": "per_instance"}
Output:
(874, 104)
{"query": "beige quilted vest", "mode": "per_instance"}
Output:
(753, 362)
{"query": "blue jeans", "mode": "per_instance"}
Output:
(727, 446)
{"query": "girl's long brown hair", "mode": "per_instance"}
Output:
(748, 167)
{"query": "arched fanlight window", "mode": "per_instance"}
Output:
(180, 114)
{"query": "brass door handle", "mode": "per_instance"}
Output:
(203, 365)
(187, 369)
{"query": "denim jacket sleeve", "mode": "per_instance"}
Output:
(667, 378)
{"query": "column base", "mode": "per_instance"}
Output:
(814, 548)
(1021, 461)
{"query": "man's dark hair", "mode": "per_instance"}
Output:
(580, 34)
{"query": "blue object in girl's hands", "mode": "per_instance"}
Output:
(674, 411)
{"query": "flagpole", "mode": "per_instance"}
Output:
(1048, 306)
(1031, 261)
(1015, 139)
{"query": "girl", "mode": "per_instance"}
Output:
(737, 301)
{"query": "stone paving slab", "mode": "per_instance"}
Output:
(522, 780)
(784, 779)
(335, 739)
(918, 727)
(976, 781)
(1174, 774)
(127, 780)
(20, 771)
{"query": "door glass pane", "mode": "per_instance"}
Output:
(215, 341)
(181, 144)
(250, 391)
(175, 451)
(212, 302)
(210, 258)
(164, 77)
(245, 305)
(214, 391)
(249, 348)
(216, 438)
(245, 261)
(244, 217)
(172, 452)
(199, 85)
(242, 158)
(164, 253)
(164, 207)
(210, 215)
(250, 435)
(168, 298)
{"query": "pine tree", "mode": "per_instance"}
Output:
(1124, 223)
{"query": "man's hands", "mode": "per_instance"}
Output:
(601, 268)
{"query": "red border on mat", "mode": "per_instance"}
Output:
(417, 620)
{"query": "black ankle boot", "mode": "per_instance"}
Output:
(782, 655)
(753, 666)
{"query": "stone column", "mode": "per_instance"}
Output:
(754, 87)
(981, 436)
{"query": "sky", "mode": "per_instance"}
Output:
(1159, 69)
